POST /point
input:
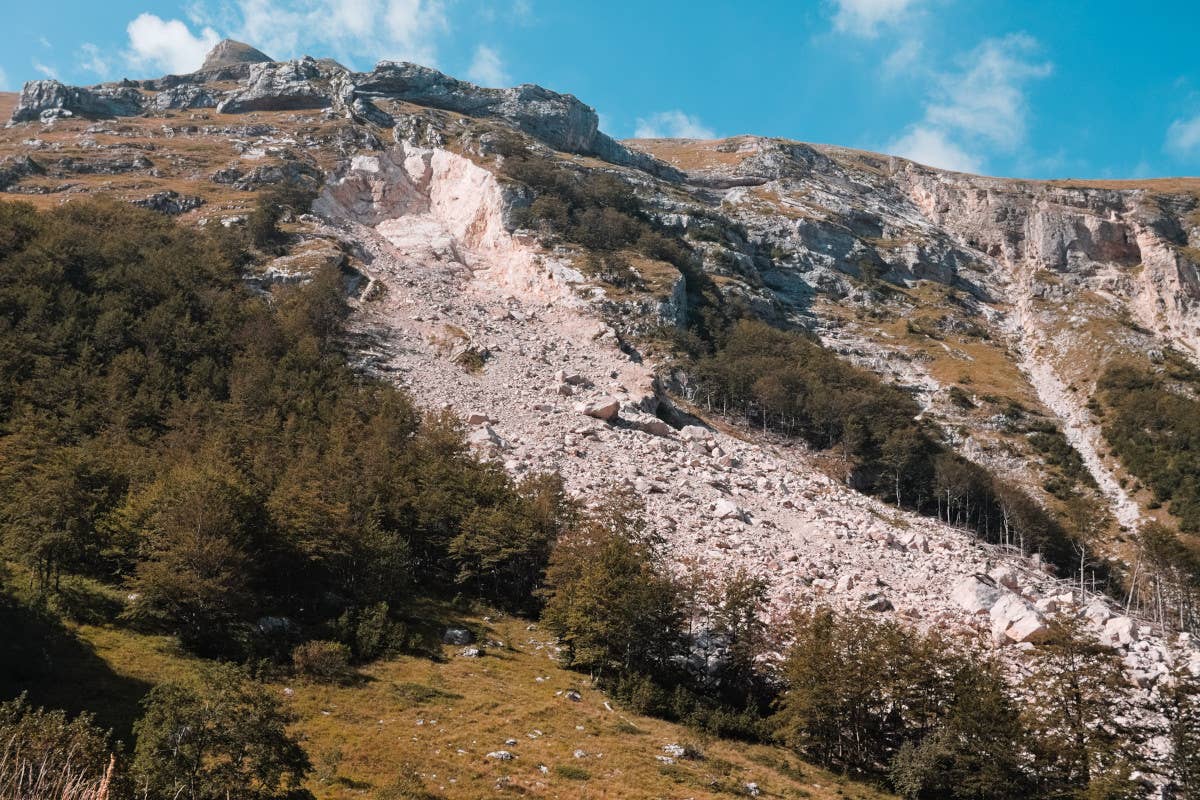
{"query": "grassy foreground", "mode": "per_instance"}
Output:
(439, 717)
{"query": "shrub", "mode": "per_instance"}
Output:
(224, 736)
(324, 662)
(45, 755)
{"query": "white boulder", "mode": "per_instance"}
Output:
(605, 408)
(975, 594)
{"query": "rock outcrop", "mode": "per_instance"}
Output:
(229, 52)
(47, 100)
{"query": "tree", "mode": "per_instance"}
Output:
(737, 624)
(194, 526)
(856, 688)
(609, 599)
(977, 750)
(1079, 750)
(221, 737)
(502, 550)
(1182, 710)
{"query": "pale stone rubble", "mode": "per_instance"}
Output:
(556, 392)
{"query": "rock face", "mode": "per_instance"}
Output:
(47, 100)
(229, 52)
(285, 86)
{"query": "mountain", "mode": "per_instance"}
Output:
(570, 296)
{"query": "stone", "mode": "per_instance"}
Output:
(727, 509)
(574, 696)
(695, 433)
(975, 594)
(1097, 612)
(170, 202)
(500, 755)
(15, 168)
(477, 418)
(1014, 619)
(1120, 631)
(471, 652)
(877, 602)
(458, 636)
(605, 408)
(1007, 577)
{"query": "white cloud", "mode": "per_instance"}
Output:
(44, 42)
(168, 45)
(487, 68)
(672, 125)
(92, 59)
(981, 108)
(930, 146)
(1183, 137)
(904, 59)
(46, 69)
(866, 17)
(353, 31)
(987, 99)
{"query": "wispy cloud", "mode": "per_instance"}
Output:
(672, 125)
(927, 145)
(168, 45)
(867, 17)
(46, 69)
(92, 59)
(487, 68)
(1183, 138)
(978, 110)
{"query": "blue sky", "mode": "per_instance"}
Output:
(1064, 88)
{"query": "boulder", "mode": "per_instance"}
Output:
(1014, 619)
(1097, 612)
(1007, 577)
(727, 509)
(501, 755)
(15, 168)
(695, 433)
(976, 594)
(485, 437)
(458, 636)
(1120, 631)
(605, 408)
(170, 202)
(877, 602)
(49, 99)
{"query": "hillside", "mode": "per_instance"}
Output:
(940, 423)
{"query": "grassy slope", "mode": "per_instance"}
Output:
(444, 716)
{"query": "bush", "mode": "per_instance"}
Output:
(324, 662)
(43, 754)
(224, 736)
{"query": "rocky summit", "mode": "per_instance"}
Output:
(1000, 308)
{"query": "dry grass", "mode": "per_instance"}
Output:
(446, 717)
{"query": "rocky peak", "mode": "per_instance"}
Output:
(228, 52)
